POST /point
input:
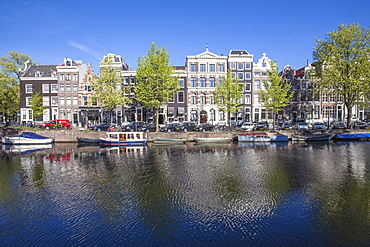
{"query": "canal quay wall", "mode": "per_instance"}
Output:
(69, 136)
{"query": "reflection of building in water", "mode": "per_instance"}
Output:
(123, 150)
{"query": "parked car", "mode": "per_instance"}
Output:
(100, 127)
(247, 126)
(204, 127)
(319, 126)
(338, 126)
(150, 127)
(57, 124)
(287, 126)
(169, 127)
(261, 126)
(185, 127)
(361, 125)
(302, 126)
(132, 126)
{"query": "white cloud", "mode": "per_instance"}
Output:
(86, 49)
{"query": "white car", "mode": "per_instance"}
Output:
(302, 126)
(247, 127)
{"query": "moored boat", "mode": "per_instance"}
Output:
(352, 137)
(212, 139)
(124, 139)
(312, 137)
(26, 138)
(262, 137)
(87, 140)
(169, 140)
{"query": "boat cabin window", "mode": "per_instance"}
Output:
(122, 137)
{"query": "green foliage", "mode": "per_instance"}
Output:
(109, 89)
(14, 63)
(276, 94)
(228, 94)
(342, 63)
(37, 106)
(155, 82)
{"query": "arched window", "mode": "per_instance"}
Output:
(193, 99)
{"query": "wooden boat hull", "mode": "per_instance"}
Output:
(169, 141)
(212, 140)
(87, 140)
(317, 137)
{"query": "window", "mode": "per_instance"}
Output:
(126, 80)
(45, 101)
(181, 82)
(61, 88)
(193, 67)
(248, 76)
(54, 101)
(54, 74)
(232, 65)
(84, 100)
(211, 99)
(132, 80)
(62, 101)
(68, 88)
(202, 67)
(212, 82)
(68, 77)
(88, 88)
(264, 64)
(193, 98)
(75, 88)
(171, 98)
(221, 116)
(339, 97)
(325, 97)
(61, 77)
(38, 74)
(54, 88)
(240, 76)
(256, 98)
(247, 65)
(193, 82)
(28, 101)
(257, 84)
(220, 80)
(202, 81)
(180, 97)
(256, 73)
(247, 99)
(29, 88)
(233, 75)
(240, 66)
(75, 101)
(68, 101)
(74, 78)
(264, 74)
(221, 68)
(212, 68)
(203, 99)
(332, 97)
(248, 87)
(46, 88)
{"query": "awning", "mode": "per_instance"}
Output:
(171, 110)
(181, 110)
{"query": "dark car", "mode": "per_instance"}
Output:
(287, 126)
(133, 126)
(169, 127)
(100, 127)
(261, 126)
(319, 126)
(185, 127)
(150, 127)
(338, 126)
(204, 127)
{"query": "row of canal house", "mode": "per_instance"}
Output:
(66, 90)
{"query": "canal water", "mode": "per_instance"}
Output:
(290, 194)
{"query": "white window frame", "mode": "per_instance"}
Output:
(54, 101)
(75, 101)
(178, 97)
(240, 66)
(46, 88)
(54, 88)
(62, 101)
(45, 100)
(29, 88)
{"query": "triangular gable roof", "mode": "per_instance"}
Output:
(207, 55)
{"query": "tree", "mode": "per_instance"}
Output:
(276, 94)
(11, 68)
(228, 95)
(108, 89)
(342, 64)
(155, 82)
(37, 106)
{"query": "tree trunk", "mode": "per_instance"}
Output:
(156, 119)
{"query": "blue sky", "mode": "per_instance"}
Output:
(84, 30)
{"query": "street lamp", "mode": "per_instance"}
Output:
(212, 114)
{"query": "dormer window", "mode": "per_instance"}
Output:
(68, 63)
(38, 74)
(54, 74)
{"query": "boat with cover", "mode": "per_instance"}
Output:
(312, 137)
(352, 137)
(87, 140)
(26, 138)
(262, 137)
(124, 139)
(212, 139)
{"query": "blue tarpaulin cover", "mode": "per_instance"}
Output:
(32, 135)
